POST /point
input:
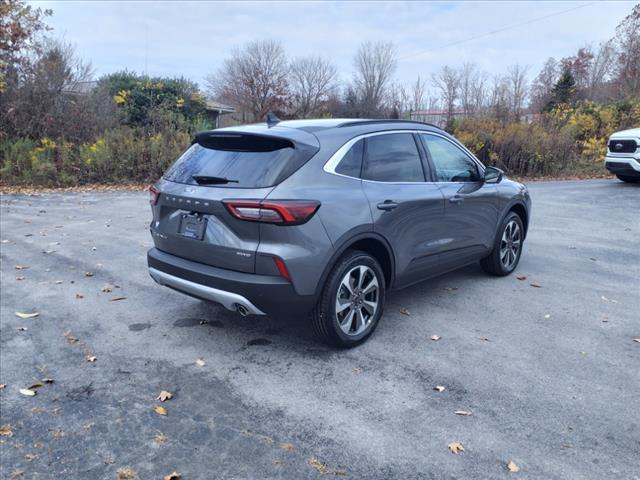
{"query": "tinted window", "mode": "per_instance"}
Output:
(351, 163)
(451, 163)
(253, 169)
(393, 158)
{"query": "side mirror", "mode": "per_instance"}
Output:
(493, 175)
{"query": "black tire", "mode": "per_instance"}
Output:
(629, 179)
(324, 317)
(494, 264)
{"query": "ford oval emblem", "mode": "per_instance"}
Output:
(619, 146)
(191, 189)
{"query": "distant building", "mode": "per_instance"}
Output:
(437, 117)
(215, 110)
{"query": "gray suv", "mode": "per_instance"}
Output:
(327, 216)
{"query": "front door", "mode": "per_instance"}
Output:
(471, 209)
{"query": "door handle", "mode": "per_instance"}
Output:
(387, 205)
(456, 199)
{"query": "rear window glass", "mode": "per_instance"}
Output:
(393, 158)
(248, 169)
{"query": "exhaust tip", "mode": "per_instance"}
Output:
(242, 310)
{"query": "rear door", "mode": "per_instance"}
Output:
(407, 208)
(190, 219)
(471, 212)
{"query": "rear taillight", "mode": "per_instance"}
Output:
(281, 212)
(154, 195)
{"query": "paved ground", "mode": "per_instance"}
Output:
(555, 388)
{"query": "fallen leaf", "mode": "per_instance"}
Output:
(107, 289)
(115, 299)
(435, 338)
(439, 388)
(464, 413)
(160, 439)
(58, 433)
(357, 370)
(71, 339)
(47, 380)
(535, 285)
(455, 447)
(88, 274)
(200, 362)
(21, 267)
(593, 259)
(22, 329)
(35, 386)
(91, 358)
(513, 467)
(58, 282)
(27, 392)
(5, 431)
(172, 476)
(637, 340)
(404, 311)
(485, 339)
(27, 315)
(160, 410)
(286, 446)
(79, 296)
(164, 396)
(19, 278)
(319, 466)
(30, 456)
(126, 473)
(3, 385)
(522, 277)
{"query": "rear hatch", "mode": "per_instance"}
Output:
(190, 219)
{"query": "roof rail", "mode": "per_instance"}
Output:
(352, 123)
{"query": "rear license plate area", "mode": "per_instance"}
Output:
(192, 226)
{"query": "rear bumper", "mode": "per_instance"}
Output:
(623, 165)
(258, 294)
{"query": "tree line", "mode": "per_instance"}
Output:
(60, 126)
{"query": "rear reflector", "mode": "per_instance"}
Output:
(154, 195)
(282, 268)
(281, 212)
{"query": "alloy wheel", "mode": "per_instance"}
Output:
(357, 300)
(510, 245)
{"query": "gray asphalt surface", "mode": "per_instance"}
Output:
(554, 386)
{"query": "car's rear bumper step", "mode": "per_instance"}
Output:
(253, 293)
(231, 301)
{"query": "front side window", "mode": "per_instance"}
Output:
(450, 162)
(351, 163)
(392, 157)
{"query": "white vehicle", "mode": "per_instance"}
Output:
(623, 155)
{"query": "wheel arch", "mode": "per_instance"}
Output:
(521, 210)
(370, 242)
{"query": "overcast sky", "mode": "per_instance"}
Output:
(191, 39)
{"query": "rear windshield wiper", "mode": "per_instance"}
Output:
(207, 180)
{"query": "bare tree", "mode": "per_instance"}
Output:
(398, 99)
(253, 79)
(374, 65)
(600, 71)
(517, 89)
(418, 92)
(542, 86)
(499, 98)
(448, 82)
(627, 45)
(467, 74)
(312, 82)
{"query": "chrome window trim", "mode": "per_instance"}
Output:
(335, 159)
(464, 150)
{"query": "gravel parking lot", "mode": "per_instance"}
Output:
(546, 364)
